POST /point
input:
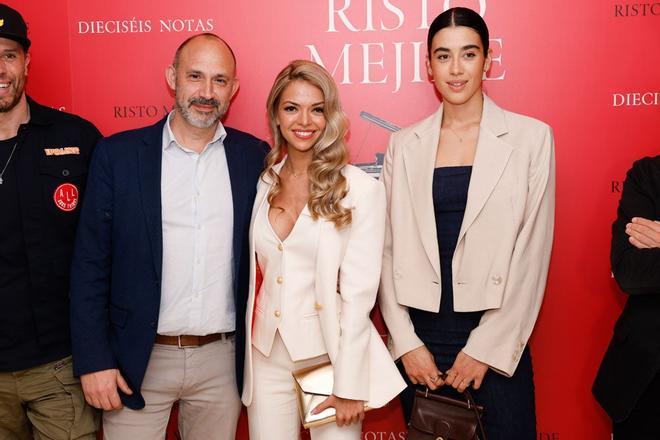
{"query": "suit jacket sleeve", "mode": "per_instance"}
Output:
(359, 274)
(90, 271)
(637, 270)
(502, 333)
(402, 337)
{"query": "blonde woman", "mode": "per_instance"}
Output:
(316, 237)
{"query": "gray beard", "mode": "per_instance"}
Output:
(189, 116)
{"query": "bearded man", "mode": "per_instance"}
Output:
(159, 277)
(44, 155)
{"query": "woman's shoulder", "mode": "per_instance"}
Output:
(360, 182)
(505, 121)
(417, 129)
(517, 121)
(355, 175)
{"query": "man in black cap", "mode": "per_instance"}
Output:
(44, 155)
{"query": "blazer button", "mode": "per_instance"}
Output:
(318, 306)
(497, 280)
(279, 280)
(280, 247)
(397, 275)
(277, 313)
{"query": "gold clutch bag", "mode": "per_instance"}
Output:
(313, 386)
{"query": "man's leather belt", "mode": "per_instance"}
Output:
(183, 341)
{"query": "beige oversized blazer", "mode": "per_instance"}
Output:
(501, 259)
(363, 368)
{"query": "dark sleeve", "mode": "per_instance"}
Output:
(636, 270)
(90, 270)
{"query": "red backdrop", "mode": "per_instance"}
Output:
(590, 69)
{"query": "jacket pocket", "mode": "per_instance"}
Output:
(63, 167)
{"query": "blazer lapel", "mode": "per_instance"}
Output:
(262, 192)
(239, 192)
(490, 160)
(150, 158)
(418, 159)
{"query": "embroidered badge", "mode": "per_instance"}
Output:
(66, 197)
(61, 151)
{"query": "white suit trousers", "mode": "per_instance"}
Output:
(273, 414)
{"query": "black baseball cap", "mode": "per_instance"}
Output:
(13, 26)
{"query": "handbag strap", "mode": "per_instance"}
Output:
(471, 404)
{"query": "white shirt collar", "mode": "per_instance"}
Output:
(169, 139)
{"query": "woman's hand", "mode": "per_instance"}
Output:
(644, 233)
(348, 410)
(420, 368)
(466, 370)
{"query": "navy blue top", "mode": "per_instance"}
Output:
(508, 402)
(450, 192)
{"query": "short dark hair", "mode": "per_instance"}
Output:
(182, 46)
(459, 17)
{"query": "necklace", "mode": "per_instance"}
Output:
(2, 173)
(460, 139)
(293, 173)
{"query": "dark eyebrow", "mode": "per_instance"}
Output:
(316, 104)
(464, 48)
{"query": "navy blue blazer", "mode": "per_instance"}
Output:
(117, 263)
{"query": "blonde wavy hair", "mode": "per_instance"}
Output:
(327, 185)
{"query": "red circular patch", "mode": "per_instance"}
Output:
(66, 197)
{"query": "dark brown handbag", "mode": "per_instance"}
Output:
(436, 417)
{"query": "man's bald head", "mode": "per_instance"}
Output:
(205, 35)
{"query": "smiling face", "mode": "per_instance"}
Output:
(300, 115)
(457, 64)
(204, 81)
(13, 72)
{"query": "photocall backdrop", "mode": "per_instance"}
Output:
(590, 69)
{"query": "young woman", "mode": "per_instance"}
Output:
(470, 193)
(316, 236)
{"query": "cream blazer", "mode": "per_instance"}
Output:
(500, 264)
(363, 368)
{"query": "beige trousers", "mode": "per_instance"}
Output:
(273, 414)
(45, 402)
(203, 381)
